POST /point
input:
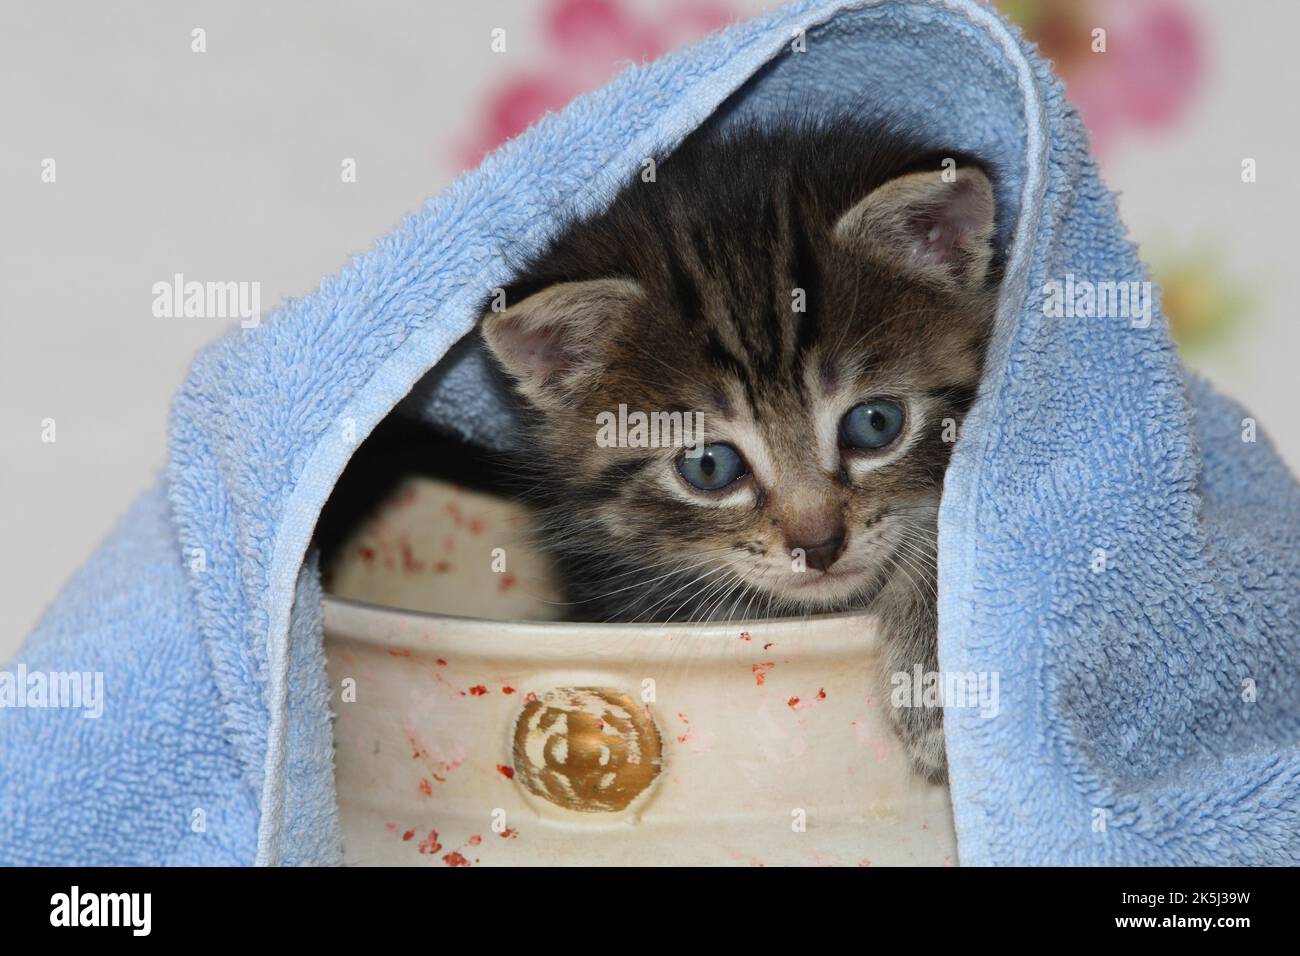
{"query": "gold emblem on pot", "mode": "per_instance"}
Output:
(586, 748)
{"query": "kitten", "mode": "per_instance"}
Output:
(823, 295)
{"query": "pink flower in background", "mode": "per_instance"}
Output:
(1151, 70)
(588, 42)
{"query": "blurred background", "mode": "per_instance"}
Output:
(224, 164)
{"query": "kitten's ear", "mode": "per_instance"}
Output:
(940, 232)
(550, 343)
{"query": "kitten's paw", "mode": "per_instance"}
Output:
(921, 730)
(929, 757)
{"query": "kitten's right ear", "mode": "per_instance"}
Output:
(924, 225)
(551, 342)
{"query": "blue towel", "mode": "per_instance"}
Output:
(1110, 547)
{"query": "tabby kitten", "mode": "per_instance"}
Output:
(822, 294)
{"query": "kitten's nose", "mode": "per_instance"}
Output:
(821, 556)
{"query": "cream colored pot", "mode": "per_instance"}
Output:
(464, 741)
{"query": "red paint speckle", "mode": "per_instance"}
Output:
(475, 840)
(760, 672)
(682, 738)
(400, 653)
(430, 843)
(506, 583)
(508, 834)
(505, 771)
(478, 690)
(440, 662)
(794, 703)
(530, 696)
(425, 787)
(409, 562)
(744, 636)
(367, 554)
(442, 567)
(507, 689)
(455, 859)
(477, 526)
(390, 827)
(409, 834)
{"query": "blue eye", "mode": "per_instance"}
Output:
(872, 424)
(718, 467)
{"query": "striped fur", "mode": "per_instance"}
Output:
(723, 287)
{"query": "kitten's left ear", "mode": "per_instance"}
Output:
(940, 232)
(552, 342)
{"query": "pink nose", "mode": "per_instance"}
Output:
(821, 556)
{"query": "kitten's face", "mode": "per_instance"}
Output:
(829, 381)
(837, 449)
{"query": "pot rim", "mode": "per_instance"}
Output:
(827, 635)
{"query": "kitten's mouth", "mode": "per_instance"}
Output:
(853, 581)
(825, 587)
